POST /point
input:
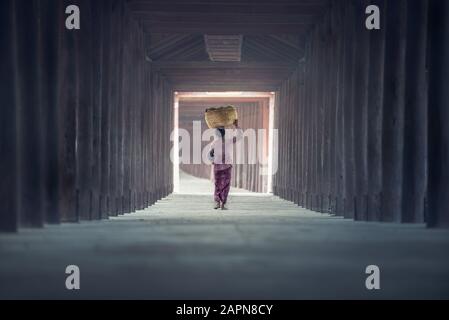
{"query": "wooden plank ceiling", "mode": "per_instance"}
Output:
(220, 45)
(223, 48)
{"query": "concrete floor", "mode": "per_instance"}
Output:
(262, 248)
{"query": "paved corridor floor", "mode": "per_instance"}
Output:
(262, 248)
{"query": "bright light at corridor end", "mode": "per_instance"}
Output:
(228, 93)
(186, 96)
(225, 94)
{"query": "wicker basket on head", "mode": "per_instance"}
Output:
(221, 117)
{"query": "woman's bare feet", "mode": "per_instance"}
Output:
(217, 205)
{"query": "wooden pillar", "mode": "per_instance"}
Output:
(375, 116)
(114, 67)
(152, 150)
(84, 122)
(105, 122)
(49, 35)
(287, 141)
(127, 119)
(278, 125)
(302, 134)
(335, 105)
(138, 121)
(120, 113)
(327, 114)
(313, 146)
(99, 11)
(68, 74)
(438, 213)
(415, 119)
(320, 116)
(8, 129)
(360, 105)
(340, 107)
(348, 111)
(28, 105)
(308, 128)
(146, 134)
(393, 115)
(140, 130)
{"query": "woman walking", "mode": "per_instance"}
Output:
(221, 157)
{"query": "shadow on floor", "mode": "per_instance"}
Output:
(262, 248)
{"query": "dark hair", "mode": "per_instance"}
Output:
(222, 132)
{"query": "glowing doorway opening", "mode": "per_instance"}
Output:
(186, 96)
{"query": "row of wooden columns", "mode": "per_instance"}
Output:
(249, 176)
(86, 122)
(362, 129)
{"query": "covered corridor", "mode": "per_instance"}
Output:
(359, 167)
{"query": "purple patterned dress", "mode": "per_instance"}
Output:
(222, 160)
(222, 184)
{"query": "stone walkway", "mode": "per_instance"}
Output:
(261, 248)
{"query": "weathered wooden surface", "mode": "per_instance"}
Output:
(79, 116)
(438, 213)
(8, 127)
(357, 129)
(415, 118)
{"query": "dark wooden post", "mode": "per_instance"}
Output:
(84, 122)
(360, 105)
(312, 149)
(99, 11)
(319, 118)
(335, 56)
(28, 105)
(302, 134)
(375, 112)
(326, 115)
(126, 103)
(67, 101)
(438, 213)
(393, 115)
(348, 120)
(49, 35)
(106, 118)
(8, 129)
(415, 119)
(308, 131)
(337, 183)
(114, 69)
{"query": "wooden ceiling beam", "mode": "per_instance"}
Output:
(224, 28)
(224, 65)
(167, 43)
(194, 79)
(236, 84)
(274, 44)
(195, 45)
(225, 87)
(299, 7)
(273, 48)
(225, 73)
(191, 17)
(235, 2)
